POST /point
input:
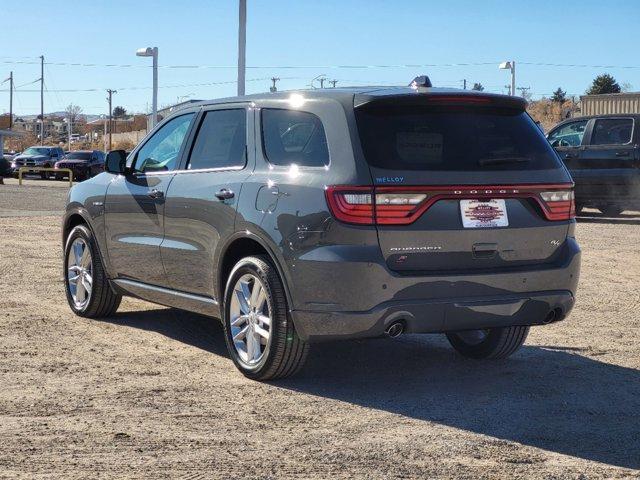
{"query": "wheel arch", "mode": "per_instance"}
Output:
(240, 245)
(78, 216)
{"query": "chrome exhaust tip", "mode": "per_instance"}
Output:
(395, 329)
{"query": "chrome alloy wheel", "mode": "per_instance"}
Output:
(250, 319)
(80, 273)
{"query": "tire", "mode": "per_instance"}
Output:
(283, 353)
(45, 175)
(611, 210)
(101, 300)
(492, 343)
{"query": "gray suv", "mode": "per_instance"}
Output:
(309, 216)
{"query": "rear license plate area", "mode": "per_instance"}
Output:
(487, 213)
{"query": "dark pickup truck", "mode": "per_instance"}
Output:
(603, 156)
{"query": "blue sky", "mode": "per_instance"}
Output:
(313, 33)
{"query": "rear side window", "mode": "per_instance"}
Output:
(612, 131)
(569, 135)
(221, 140)
(452, 138)
(293, 137)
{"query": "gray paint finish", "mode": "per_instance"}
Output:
(338, 277)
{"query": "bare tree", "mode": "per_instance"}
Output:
(73, 112)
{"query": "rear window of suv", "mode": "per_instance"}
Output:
(452, 138)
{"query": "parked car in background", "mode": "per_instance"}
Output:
(83, 163)
(301, 217)
(603, 156)
(37, 156)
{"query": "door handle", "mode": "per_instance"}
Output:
(570, 155)
(622, 154)
(225, 194)
(156, 194)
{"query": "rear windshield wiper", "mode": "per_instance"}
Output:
(502, 160)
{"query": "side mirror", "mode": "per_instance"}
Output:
(116, 161)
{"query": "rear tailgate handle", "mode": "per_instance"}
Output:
(622, 154)
(484, 250)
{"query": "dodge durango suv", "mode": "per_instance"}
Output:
(309, 216)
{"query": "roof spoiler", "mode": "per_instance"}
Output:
(456, 97)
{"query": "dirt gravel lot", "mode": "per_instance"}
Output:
(151, 392)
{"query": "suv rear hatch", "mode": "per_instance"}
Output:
(462, 183)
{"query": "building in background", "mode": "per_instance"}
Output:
(609, 103)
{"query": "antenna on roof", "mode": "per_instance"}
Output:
(421, 81)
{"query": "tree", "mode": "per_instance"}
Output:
(559, 96)
(604, 83)
(477, 87)
(119, 112)
(73, 112)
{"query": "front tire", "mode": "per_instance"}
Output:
(87, 287)
(491, 343)
(259, 333)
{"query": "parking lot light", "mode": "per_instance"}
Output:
(512, 67)
(152, 52)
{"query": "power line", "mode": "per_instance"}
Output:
(33, 61)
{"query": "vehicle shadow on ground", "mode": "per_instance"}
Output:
(189, 328)
(627, 218)
(548, 397)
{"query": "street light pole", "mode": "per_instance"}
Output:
(242, 44)
(152, 52)
(110, 92)
(42, 98)
(511, 66)
(10, 100)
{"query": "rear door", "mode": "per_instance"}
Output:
(203, 196)
(608, 168)
(461, 187)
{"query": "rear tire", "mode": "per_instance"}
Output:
(281, 354)
(99, 300)
(611, 210)
(490, 343)
(45, 175)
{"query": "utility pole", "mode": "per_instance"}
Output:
(273, 87)
(242, 44)
(42, 98)
(110, 92)
(321, 80)
(333, 83)
(523, 91)
(464, 84)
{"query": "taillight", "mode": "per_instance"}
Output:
(351, 204)
(558, 204)
(356, 205)
(404, 205)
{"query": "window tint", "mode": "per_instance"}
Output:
(452, 138)
(612, 131)
(569, 135)
(160, 153)
(290, 136)
(221, 140)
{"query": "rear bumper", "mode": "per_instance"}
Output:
(433, 304)
(436, 316)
